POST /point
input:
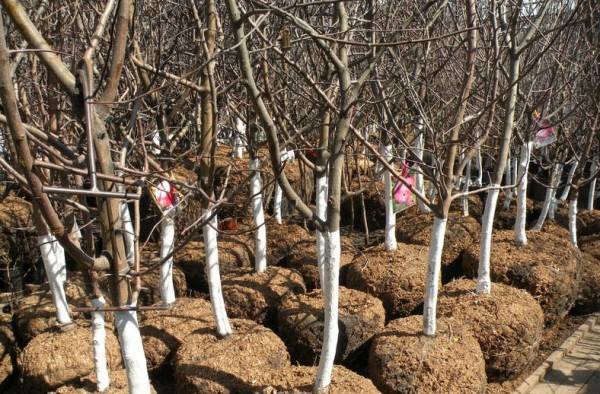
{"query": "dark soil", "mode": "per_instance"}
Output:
(150, 292)
(461, 232)
(253, 296)
(403, 360)
(282, 239)
(208, 364)
(508, 324)
(588, 298)
(163, 331)
(301, 325)
(548, 267)
(588, 222)
(397, 278)
(234, 252)
(300, 379)
(303, 258)
(504, 219)
(7, 349)
(55, 358)
(590, 244)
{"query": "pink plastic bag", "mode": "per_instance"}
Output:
(403, 197)
(165, 195)
(545, 135)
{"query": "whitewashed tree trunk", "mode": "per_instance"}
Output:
(167, 240)
(548, 199)
(592, 191)
(554, 203)
(99, 345)
(565, 193)
(213, 276)
(331, 299)
(132, 351)
(479, 163)
(238, 145)
(260, 252)
(521, 221)
(321, 202)
(467, 184)
(390, 215)
(53, 256)
(484, 282)
(573, 221)
(156, 143)
(508, 181)
(419, 181)
(277, 199)
(434, 260)
(128, 233)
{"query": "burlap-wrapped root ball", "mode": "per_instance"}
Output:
(150, 291)
(395, 277)
(303, 258)
(508, 324)
(588, 298)
(234, 252)
(590, 244)
(253, 296)
(118, 384)
(504, 219)
(301, 325)
(7, 349)
(548, 267)
(164, 331)
(207, 364)
(301, 379)
(461, 233)
(282, 239)
(34, 315)
(54, 358)
(403, 360)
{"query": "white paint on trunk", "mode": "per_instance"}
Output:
(508, 180)
(567, 188)
(238, 145)
(548, 199)
(260, 252)
(321, 202)
(53, 256)
(390, 215)
(331, 299)
(484, 282)
(479, 164)
(434, 259)
(521, 220)
(419, 182)
(467, 184)
(132, 351)
(156, 143)
(592, 190)
(213, 276)
(128, 232)
(277, 203)
(99, 345)
(167, 240)
(573, 221)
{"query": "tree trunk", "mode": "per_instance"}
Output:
(521, 221)
(390, 215)
(432, 280)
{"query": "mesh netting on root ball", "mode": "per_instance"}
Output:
(303, 258)
(403, 360)
(7, 348)
(395, 277)
(301, 379)
(301, 325)
(207, 364)
(461, 232)
(508, 324)
(57, 357)
(234, 253)
(163, 331)
(548, 267)
(588, 298)
(87, 385)
(253, 296)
